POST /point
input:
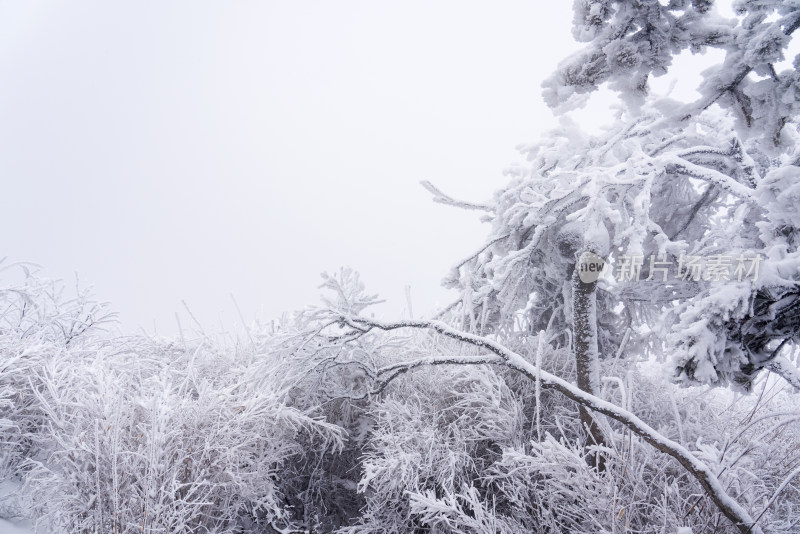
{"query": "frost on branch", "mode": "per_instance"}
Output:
(668, 182)
(627, 42)
(662, 190)
(348, 292)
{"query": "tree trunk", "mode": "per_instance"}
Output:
(584, 343)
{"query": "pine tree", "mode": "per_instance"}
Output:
(693, 204)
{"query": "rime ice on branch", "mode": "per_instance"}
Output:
(670, 180)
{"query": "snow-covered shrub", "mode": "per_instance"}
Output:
(547, 486)
(435, 434)
(321, 484)
(423, 472)
(132, 433)
(750, 443)
(126, 433)
(38, 317)
(144, 435)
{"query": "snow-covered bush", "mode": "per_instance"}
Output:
(127, 433)
(445, 456)
(38, 317)
(150, 436)
(435, 434)
(321, 484)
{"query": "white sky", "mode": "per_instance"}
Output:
(169, 150)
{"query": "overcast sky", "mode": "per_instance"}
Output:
(194, 149)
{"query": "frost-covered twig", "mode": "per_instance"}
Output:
(782, 367)
(447, 200)
(715, 177)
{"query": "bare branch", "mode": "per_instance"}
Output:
(442, 198)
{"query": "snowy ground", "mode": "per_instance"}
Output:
(7, 527)
(10, 527)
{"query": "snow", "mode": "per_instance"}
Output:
(7, 527)
(328, 405)
(7, 488)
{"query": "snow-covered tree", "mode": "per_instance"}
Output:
(693, 204)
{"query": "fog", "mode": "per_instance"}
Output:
(169, 151)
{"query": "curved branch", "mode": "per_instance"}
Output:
(699, 470)
(442, 198)
(682, 166)
(784, 368)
